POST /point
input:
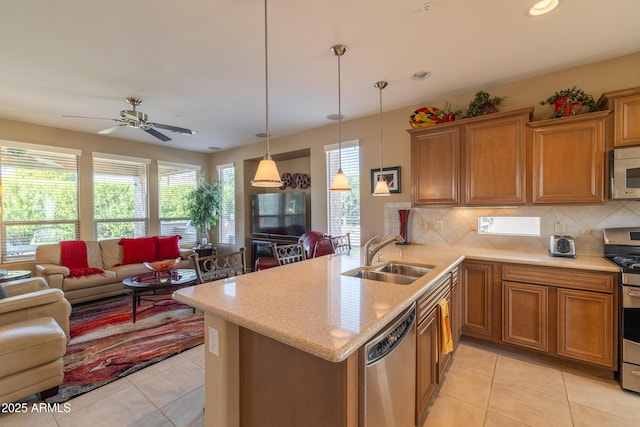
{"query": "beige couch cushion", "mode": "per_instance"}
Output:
(94, 255)
(112, 252)
(48, 254)
(93, 280)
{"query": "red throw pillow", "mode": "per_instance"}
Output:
(137, 250)
(168, 247)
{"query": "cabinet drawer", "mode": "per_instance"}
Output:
(560, 277)
(428, 302)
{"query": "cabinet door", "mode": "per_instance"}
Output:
(525, 319)
(427, 358)
(435, 167)
(627, 121)
(477, 298)
(568, 160)
(494, 161)
(456, 308)
(586, 327)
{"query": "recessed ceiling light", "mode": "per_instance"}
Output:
(261, 135)
(420, 75)
(335, 116)
(542, 7)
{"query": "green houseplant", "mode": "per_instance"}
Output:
(483, 103)
(203, 205)
(570, 102)
(447, 113)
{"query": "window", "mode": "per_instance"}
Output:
(120, 196)
(175, 181)
(227, 220)
(39, 197)
(343, 208)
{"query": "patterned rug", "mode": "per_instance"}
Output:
(105, 345)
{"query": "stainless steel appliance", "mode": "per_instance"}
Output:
(562, 245)
(390, 374)
(622, 246)
(625, 173)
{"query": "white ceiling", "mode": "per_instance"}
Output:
(199, 64)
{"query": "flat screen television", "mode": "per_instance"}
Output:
(280, 214)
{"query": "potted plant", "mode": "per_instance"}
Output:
(570, 101)
(203, 206)
(447, 113)
(483, 103)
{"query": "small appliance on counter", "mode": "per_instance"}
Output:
(562, 245)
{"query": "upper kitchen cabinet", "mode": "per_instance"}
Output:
(626, 112)
(568, 159)
(472, 162)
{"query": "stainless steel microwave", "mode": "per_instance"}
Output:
(625, 173)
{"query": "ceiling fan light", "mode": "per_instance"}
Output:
(542, 7)
(267, 174)
(340, 182)
(382, 188)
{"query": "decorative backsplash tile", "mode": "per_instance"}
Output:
(456, 226)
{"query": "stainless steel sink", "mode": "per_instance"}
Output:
(411, 270)
(391, 272)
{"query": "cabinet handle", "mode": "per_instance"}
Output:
(636, 373)
(633, 293)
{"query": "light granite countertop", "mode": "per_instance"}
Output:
(311, 306)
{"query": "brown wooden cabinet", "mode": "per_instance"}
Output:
(427, 373)
(477, 161)
(525, 317)
(626, 112)
(585, 327)
(456, 307)
(564, 312)
(568, 159)
(477, 299)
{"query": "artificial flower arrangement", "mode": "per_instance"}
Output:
(569, 102)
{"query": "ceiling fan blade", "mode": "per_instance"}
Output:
(157, 134)
(110, 130)
(175, 129)
(85, 117)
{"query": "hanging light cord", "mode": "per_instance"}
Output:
(339, 121)
(381, 129)
(266, 79)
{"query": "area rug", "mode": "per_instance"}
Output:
(106, 345)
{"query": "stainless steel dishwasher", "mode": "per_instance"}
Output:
(390, 374)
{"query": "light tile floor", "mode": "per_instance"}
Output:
(483, 387)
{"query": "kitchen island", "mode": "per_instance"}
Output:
(308, 320)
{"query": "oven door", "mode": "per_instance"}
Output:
(630, 364)
(625, 173)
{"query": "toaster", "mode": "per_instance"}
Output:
(562, 245)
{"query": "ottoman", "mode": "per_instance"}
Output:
(31, 358)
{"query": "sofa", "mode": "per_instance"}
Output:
(108, 263)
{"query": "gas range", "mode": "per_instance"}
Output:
(622, 247)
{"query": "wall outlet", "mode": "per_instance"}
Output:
(214, 341)
(559, 227)
(436, 225)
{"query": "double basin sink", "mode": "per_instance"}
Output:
(391, 272)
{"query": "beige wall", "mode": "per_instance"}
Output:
(619, 73)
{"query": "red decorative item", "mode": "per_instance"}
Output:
(404, 221)
(566, 108)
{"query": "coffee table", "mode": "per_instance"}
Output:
(151, 281)
(8, 275)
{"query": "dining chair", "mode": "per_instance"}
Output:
(341, 244)
(288, 254)
(221, 266)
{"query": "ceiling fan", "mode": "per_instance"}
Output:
(137, 119)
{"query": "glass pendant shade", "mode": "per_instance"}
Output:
(382, 188)
(340, 182)
(267, 174)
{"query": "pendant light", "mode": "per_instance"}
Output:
(339, 182)
(267, 174)
(382, 188)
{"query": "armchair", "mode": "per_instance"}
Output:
(34, 332)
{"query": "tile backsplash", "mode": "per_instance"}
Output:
(457, 226)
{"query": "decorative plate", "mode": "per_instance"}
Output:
(161, 266)
(423, 117)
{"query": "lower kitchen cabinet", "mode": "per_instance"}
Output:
(427, 373)
(525, 317)
(477, 299)
(456, 307)
(586, 326)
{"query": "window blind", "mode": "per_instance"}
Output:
(175, 181)
(343, 208)
(227, 221)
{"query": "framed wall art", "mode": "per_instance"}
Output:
(391, 175)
